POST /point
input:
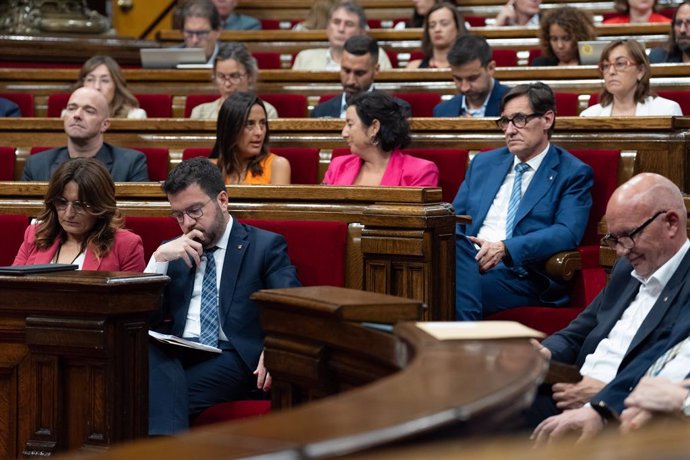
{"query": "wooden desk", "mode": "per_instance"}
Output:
(73, 360)
(463, 386)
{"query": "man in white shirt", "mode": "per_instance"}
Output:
(347, 19)
(198, 307)
(613, 341)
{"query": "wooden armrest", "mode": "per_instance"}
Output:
(463, 219)
(563, 265)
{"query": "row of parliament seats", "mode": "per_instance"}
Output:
(296, 105)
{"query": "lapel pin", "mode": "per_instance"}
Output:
(666, 299)
(550, 177)
(239, 246)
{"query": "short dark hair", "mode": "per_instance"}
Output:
(199, 9)
(468, 48)
(232, 119)
(359, 45)
(376, 105)
(351, 7)
(198, 171)
(540, 96)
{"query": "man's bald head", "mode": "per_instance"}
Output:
(87, 116)
(637, 202)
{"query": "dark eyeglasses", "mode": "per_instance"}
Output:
(78, 207)
(195, 212)
(682, 22)
(626, 239)
(200, 34)
(519, 120)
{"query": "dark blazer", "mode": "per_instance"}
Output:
(124, 165)
(331, 107)
(667, 323)
(552, 214)
(255, 259)
(9, 108)
(453, 107)
(661, 55)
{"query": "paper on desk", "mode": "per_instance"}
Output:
(478, 330)
(175, 340)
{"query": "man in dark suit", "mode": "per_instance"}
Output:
(528, 201)
(219, 313)
(472, 67)
(640, 314)
(86, 119)
(358, 69)
(9, 108)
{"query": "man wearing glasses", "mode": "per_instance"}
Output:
(677, 47)
(199, 307)
(201, 26)
(640, 314)
(528, 201)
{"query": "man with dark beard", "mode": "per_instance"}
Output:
(472, 67)
(677, 47)
(358, 69)
(198, 307)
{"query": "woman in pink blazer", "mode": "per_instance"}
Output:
(376, 129)
(81, 223)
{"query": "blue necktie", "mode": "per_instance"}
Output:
(515, 196)
(209, 302)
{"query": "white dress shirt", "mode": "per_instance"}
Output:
(494, 226)
(192, 327)
(604, 362)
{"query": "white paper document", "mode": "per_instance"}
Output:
(478, 330)
(180, 342)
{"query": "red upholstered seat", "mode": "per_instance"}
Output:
(192, 100)
(681, 97)
(589, 281)
(25, 101)
(36, 149)
(267, 59)
(233, 410)
(156, 105)
(153, 231)
(57, 103)
(193, 152)
(505, 57)
(7, 159)
(567, 104)
(304, 163)
(287, 105)
(533, 54)
(12, 227)
(157, 159)
(422, 104)
(476, 21)
(451, 163)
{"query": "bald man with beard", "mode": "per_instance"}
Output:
(86, 119)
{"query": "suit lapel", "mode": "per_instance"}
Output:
(542, 181)
(238, 242)
(493, 179)
(105, 156)
(45, 257)
(666, 299)
(91, 262)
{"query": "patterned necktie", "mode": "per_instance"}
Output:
(515, 196)
(209, 302)
(666, 358)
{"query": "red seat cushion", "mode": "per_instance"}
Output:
(233, 410)
(267, 59)
(153, 231)
(304, 163)
(287, 105)
(157, 159)
(7, 160)
(57, 103)
(192, 100)
(681, 97)
(156, 105)
(12, 227)
(422, 104)
(193, 152)
(567, 104)
(505, 57)
(25, 101)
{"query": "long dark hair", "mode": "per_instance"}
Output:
(232, 119)
(96, 188)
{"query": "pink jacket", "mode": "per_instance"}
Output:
(127, 253)
(402, 170)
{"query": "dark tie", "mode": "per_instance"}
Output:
(209, 302)
(515, 196)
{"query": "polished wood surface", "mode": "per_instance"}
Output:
(466, 386)
(73, 360)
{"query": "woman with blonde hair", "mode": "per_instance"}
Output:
(104, 74)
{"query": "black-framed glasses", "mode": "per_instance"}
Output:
(234, 77)
(78, 207)
(626, 240)
(200, 34)
(195, 212)
(518, 120)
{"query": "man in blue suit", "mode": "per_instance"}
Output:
(358, 69)
(472, 67)
(642, 312)
(200, 306)
(9, 108)
(527, 201)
